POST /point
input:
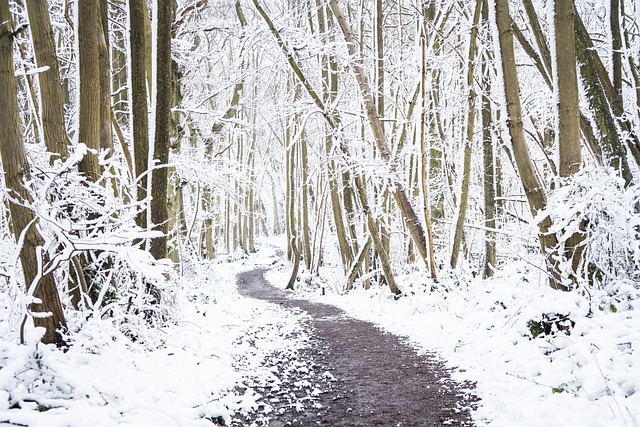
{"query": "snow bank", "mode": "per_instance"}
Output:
(192, 372)
(481, 329)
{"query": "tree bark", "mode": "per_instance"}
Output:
(106, 134)
(89, 86)
(533, 187)
(570, 150)
(424, 170)
(139, 103)
(330, 88)
(616, 53)
(568, 113)
(471, 114)
(159, 214)
(374, 232)
(600, 94)
(51, 96)
(409, 216)
(488, 156)
(534, 22)
(16, 174)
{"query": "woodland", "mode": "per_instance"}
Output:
(142, 140)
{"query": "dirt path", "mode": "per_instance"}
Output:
(357, 376)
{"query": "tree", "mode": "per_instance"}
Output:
(404, 205)
(471, 114)
(47, 311)
(139, 103)
(568, 110)
(533, 188)
(51, 97)
(104, 65)
(159, 214)
(601, 96)
(488, 158)
(89, 86)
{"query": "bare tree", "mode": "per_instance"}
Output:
(533, 187)
(488, 158)
(89, 34)
(159, 214)
(471, 114)
(139, 104)
(51, 97)
(48, 309)
(569, 114)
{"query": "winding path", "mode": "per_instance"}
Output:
(358, 375)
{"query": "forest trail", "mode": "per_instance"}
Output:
(352, 374)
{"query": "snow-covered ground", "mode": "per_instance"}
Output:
(186, 374)
(188, 371)
(590, 378)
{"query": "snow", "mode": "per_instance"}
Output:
(202, 366)
(188, 373)
(588, 378)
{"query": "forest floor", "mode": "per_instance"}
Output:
(242, 351)
(352, 374)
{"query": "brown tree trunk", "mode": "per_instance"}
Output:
(569, 114)
(16, 173)
(139, 102)
(330, 88)
(616, 53)
(533, 187)
(408, 214)
(106, 134)
(374, 232)
(488, 156)
(568, 111)
(600, 94)
(534, 22)
(89, 86)
(159, 214)
(51, 96)
(471, 114)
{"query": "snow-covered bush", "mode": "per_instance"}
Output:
(89, 226)
(596, 204)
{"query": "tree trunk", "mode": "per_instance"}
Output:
(139, 103)
(374, 232)
(424, 170)
(400, 196)
(296, 262)
(304, 188)
(89, 86)
(533, 187)
(585, 124)
(51, 96)
(159, 214)
(330, 88)
(534, 22)
(597, 85)
(471, 114)
(488, 156)
(16, 174)
(616, 53)
(106, 134)
(568, 112)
